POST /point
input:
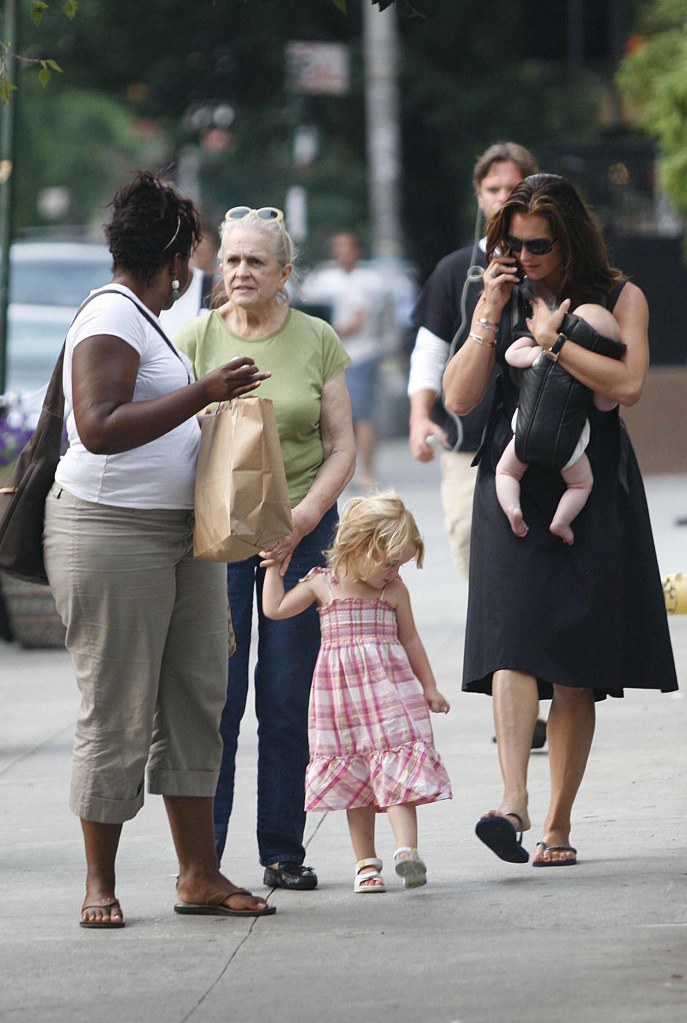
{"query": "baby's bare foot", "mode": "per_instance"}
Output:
(563, 531)
(517, 522)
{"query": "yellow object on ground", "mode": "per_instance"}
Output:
(675, 593)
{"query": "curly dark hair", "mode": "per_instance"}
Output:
(150, 224)
(586, 271)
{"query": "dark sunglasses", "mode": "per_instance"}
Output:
(535, 246)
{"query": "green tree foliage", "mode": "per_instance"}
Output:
(44, 65)
(83, 140)
(467, 82)
(466, 79)
(653, 81)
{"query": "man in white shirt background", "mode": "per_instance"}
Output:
(357, 296)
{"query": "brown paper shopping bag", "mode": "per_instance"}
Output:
(241, 500)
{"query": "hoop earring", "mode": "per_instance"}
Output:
(176, 294)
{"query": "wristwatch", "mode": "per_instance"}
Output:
(552, 352)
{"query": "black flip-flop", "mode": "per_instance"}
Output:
(556, 863)
(501, 837)
(215, 906)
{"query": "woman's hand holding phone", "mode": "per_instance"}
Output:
(499, 279)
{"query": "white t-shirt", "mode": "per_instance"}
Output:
(359, 291)
(160, 474)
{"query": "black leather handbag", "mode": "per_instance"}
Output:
(22, 501)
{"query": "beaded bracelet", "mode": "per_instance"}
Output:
(482, 340)
(483, 322)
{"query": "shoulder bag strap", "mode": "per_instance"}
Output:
(142, 310)
(53, 403)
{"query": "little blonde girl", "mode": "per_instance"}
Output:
(371, 742)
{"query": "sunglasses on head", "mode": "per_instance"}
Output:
(535, 246)
(264, 213)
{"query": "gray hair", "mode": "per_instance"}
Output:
(281, 242)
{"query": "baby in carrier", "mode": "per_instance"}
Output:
(524, 353)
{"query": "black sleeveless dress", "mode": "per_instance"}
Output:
(590, 615)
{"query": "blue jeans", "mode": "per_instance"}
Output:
(361, 381)
(287, 652)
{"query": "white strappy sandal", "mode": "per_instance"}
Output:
(360, 885)
(410, 866)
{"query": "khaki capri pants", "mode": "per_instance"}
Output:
(147, 633)
(458, 478)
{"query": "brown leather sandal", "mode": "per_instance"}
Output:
(101, 904)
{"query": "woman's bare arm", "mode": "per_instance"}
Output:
(619, 380)
(466, 378)
(337, 468)
(104, 370)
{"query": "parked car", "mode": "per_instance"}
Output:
(48, 282)
(57, 273)
(34, 338)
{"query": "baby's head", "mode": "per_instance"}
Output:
(602, 320)
(375, 532)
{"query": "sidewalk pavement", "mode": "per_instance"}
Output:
(483, 942)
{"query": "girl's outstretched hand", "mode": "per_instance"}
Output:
(438, 704)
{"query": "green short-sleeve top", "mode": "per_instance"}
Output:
(302, 356)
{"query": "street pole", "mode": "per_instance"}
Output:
(7, 116)
(382, 106)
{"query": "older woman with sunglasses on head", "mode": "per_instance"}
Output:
(547, 620)
(307, 361)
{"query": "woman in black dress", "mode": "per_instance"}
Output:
(578, 623)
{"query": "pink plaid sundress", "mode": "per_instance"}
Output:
(371, 741)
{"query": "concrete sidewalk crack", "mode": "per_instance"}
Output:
(189, 1015)
(221, 974)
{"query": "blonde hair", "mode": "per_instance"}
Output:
(372, 531)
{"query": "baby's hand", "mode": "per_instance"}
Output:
(268, 560)
(437, 703)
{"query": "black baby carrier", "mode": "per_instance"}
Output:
(553, 405)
